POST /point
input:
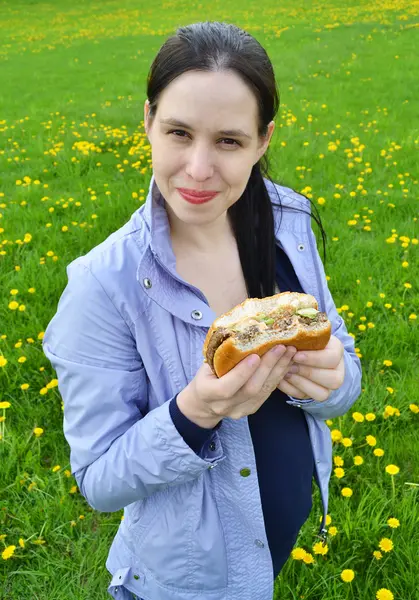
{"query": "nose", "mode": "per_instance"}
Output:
(200, 163)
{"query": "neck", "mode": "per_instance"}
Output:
(200, 238)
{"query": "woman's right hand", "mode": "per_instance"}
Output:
(207, 399)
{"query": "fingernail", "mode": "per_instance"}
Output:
(252, 361)
(278, 350)
(300, 357)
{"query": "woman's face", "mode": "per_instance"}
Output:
(196, 155)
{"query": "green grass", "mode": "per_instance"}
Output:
(347, 74)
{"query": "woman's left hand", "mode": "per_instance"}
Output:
(320, 372)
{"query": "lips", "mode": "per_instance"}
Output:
(196, 197)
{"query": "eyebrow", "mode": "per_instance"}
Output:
(233, 132)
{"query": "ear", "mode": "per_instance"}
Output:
(266, 140)
(146, 111)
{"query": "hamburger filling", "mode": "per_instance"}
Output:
(277, 320)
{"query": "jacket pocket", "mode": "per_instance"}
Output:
(182, 545)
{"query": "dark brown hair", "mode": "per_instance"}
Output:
(214, 46)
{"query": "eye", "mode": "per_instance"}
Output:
(235, 142)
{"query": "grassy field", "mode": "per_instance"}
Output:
(75, 164)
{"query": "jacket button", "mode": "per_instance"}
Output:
(212, 446)
(196, 314)
(245, 472)
(301, 247)
(147, 283)
(259, 543)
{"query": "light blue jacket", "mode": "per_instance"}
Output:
(126, 338)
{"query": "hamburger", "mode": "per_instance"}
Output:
(258, 324)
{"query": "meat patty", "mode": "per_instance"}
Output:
(217, 338)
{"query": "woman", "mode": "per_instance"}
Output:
(214, 475)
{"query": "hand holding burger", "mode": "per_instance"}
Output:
(269, 332)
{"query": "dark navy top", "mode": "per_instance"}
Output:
(283, 452)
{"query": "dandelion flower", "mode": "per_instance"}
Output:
(413, 407)
(338, 460)
(358, 460)
(386, 545)
(5, 404)
(336, 435)
(384, 594)
(392, 469)
(358, 417)
(320, 548)
(332, 531)
(393, 523)
(298, 553)
(377, 555)
(38, 431)
(8, 552)
(346, 492)
(308, 558)
(371, 441)
(347, 442)
(379, 452)
(347, 575)
(339, 472)
(370, 417)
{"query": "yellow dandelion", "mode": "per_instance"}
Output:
(56, 468)
(298, 554)
(3, 361)
(370, 417)
(338, 460)
(346, 492)
(320, 548)
(384, 594)
(336, 435)
(386, 545)
(38, 431)
(387, 363)
(21, 542)
(13, 305)
(332, 531)
(8, 552)
(377, 555)
(308, 558)
(393, 523)
(414, 408)
(347, 575)
(358, 417)
(379, 452)
(358, 460)
(371, 441)
(5, 404)
(339, 472)
(347, 442)
(392, 469)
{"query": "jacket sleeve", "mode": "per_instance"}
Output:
(340, 400)
(118, 454)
